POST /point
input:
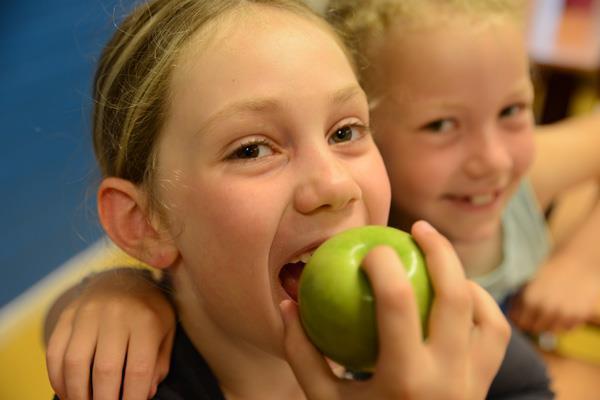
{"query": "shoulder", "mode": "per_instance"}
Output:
(525, 244)
(524, 205)
(526, 237)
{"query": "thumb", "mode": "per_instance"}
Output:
(309, 366)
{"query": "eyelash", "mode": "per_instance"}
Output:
(507, 112)
(518, 107)
(437, 125)
(238, 153)
(362, 131)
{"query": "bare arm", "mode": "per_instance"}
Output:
(566, 290)
(112, 332)
(567, 155)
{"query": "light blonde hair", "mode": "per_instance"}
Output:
(131, 86)
(363, 23)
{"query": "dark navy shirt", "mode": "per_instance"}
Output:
(522, 375)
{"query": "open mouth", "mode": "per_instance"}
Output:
(289, 276)
(290, 273)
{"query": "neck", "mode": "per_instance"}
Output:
(244, 370)
(480, 257)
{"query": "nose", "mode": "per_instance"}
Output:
(325, 183)
(488, 154)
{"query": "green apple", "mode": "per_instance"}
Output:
(337, 305)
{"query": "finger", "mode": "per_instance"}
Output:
(451, 314)
(55, 354)
(562, 323)
(163, 362)
(79, 355)
(491, 329)
(110, 356)
(567, 324)
(142, 357)
(544, 320)
(594, 318)
(515, 307)
(490, 337)
(153, 391)
(311, 370)
(527, 318)
(520, 314)
(398, 323)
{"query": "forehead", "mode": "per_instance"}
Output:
(262, 51)
(446, 56)
(253, 29)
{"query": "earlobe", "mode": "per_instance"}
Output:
(124, 215)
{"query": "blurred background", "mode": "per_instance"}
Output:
(50, 236)
(48, 51)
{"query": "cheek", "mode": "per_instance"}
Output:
(225, 241)
(376, 190)
(226, 220)
(232, 216)
(523, 150)
(412, 169)
(416, 175)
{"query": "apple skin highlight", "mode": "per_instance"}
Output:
(337, 305)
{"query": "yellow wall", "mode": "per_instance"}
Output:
(22, 353)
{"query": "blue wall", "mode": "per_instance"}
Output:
(48, 52)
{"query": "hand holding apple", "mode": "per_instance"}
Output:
(336, 301)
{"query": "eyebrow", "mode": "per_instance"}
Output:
(261, 105)
(346, 94)
(520, 88)
(523, 87)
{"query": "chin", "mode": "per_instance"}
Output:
(477, 234)
(470, 231)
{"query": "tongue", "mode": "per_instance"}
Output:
(289, 277)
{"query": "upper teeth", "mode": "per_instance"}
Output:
(481, 199)
(303, 257)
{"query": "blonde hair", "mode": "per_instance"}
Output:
(364, 22)
(131, 86)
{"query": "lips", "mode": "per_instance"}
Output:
(290, 272)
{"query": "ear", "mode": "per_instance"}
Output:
(124, 215)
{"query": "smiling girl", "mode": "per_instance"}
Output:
(450, 88)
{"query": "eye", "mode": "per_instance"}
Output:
(252, 150)
(440, 125)
(347, 133)
(512, 110)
